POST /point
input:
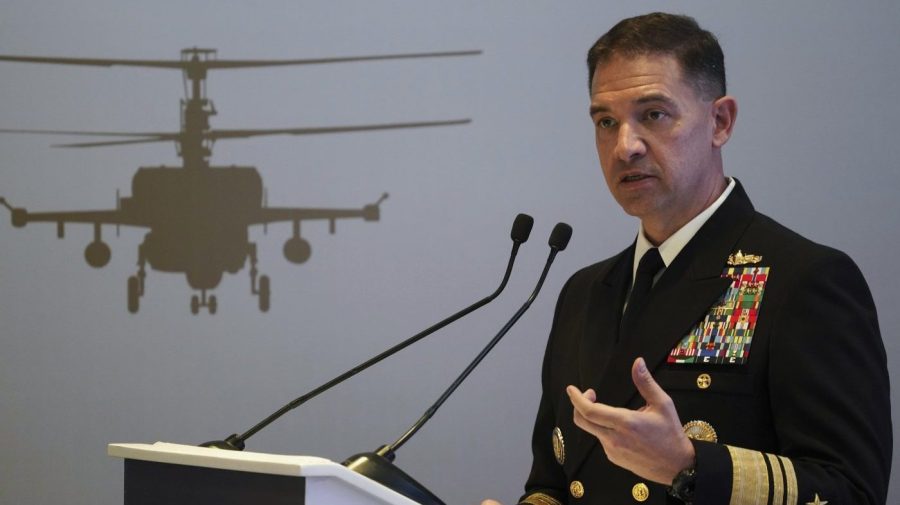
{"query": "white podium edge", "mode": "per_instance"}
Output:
(257, 462)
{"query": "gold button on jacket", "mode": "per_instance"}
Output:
(576, 488)
(640, 492)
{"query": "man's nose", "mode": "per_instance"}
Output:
(629, 144)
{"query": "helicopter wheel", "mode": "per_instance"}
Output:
(195, 305)
(133, 294)
(213, 304)
(264, 292)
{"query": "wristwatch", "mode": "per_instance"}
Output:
(683, 486)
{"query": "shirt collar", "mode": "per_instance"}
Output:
(674, 244)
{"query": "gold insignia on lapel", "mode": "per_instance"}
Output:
(739, 258)
(700, 430)
(640, 492)
(576, 488)
(817, 501)
(559, 446)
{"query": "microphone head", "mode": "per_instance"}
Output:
(559, 237)
(521, 228)
(232, 443)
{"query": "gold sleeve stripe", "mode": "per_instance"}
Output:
(777, 480)
(540, 499)
(750, 477)
(761, 479)
(791, 478)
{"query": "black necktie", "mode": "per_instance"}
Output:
(650, 264)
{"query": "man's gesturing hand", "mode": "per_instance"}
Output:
(649, 441)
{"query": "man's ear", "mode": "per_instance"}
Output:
(724, 112)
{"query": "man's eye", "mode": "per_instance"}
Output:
(606, 123)
(655, 115)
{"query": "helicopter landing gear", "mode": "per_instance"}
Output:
(263, 288)
(211, 303)
(134, 294)
(141, 275)
(264, 293)
(136, 283)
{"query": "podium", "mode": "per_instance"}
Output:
(174, 474)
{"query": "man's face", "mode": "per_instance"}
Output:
(657, 140)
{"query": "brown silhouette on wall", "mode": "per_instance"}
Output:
(198, 215)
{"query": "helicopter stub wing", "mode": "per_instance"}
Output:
(21, 217)
(267, 215)
(283, 214)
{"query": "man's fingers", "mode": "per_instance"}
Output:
(599, 431)
(581, 401)
(588, 394)
(646, 384)
(597, 413)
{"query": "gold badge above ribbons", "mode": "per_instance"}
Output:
(700, 430)
(559, 446)
(739, 258)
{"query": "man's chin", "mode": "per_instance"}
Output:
(640, 209)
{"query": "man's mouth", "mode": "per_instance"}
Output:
(634, 178)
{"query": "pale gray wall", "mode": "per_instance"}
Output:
(816, 145)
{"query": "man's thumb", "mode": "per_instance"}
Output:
(644, 382)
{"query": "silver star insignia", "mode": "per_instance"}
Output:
(817, 501)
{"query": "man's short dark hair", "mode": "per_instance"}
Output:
(696, 50)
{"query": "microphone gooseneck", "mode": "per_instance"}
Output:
(519, 234)
(378, 465)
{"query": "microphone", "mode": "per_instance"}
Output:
(521, 229)
(379, 466)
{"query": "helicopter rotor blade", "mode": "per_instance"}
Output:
(214, 135)
(96, 62)
(223, 64)
(146, 140)
(231, 134)
(318, 61)
(86, 133)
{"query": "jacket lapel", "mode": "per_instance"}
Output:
(604, 310)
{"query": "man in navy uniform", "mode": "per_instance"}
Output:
(721, 359)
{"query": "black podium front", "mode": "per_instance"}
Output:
(173, 474)
(152, 483)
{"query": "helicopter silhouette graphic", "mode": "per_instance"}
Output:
(199, 215)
